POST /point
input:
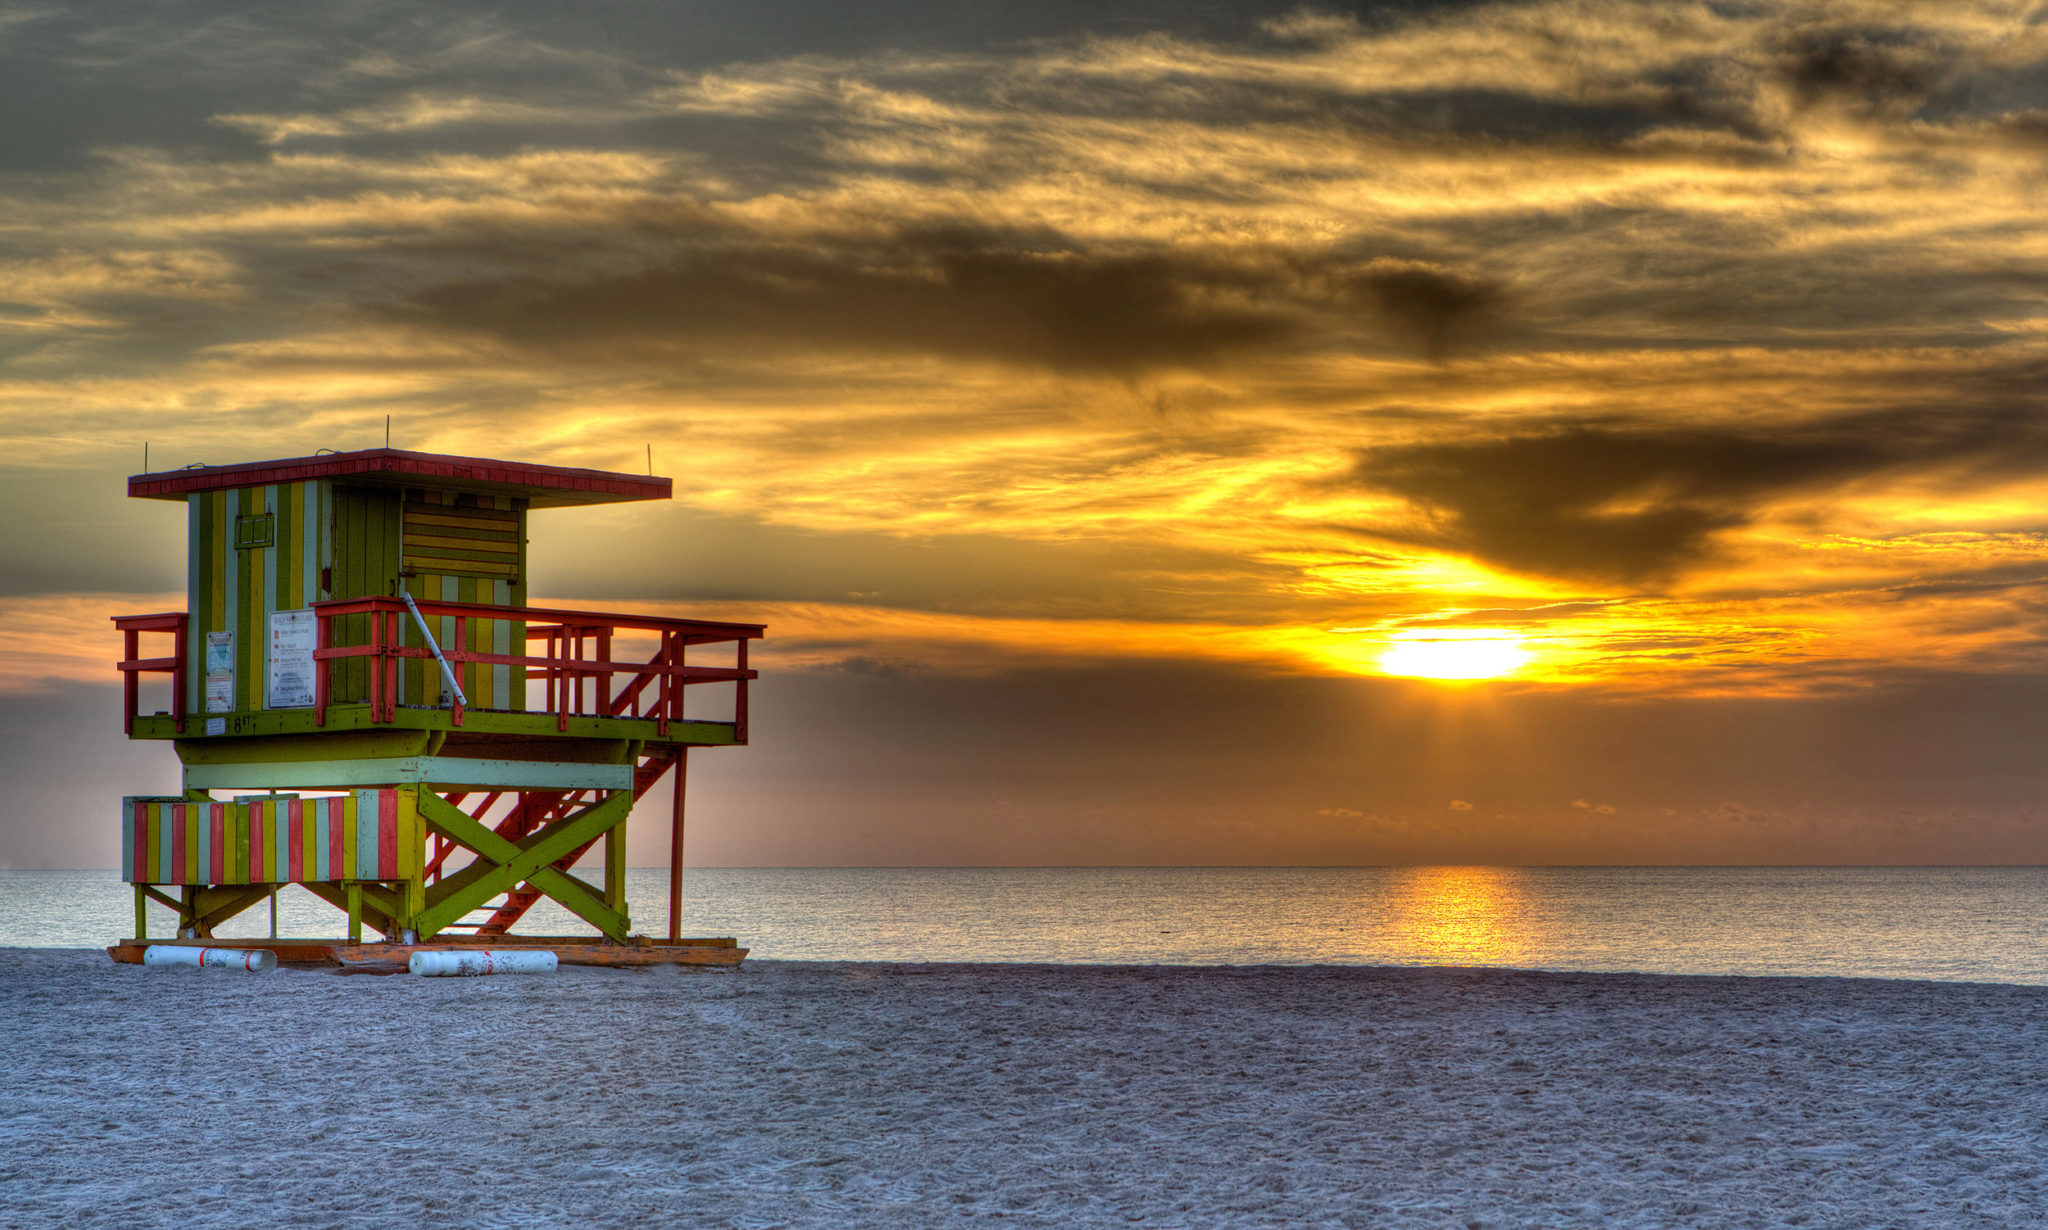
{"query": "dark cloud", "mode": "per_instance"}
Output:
(1637, 504)
(959, 292)
(953, 293)
(1442, 311)
(1877, 69)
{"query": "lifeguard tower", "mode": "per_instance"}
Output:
(394, 728)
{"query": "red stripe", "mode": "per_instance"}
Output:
(178, 843)
(387, 834)
(297, 836)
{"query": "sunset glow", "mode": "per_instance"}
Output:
(1456, 655)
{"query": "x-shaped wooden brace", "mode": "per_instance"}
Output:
(503, 864)
(204, 908)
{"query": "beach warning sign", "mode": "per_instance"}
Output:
(291, 659)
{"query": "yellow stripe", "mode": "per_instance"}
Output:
(480, 519)
(414, 541)
(486, 567)
(345, 816)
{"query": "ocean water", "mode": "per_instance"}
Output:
(1974, 924)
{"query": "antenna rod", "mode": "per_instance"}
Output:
(387, 431)
(650, 459)
(145, 458)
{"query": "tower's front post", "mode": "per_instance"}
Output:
(675, 849)
(411, 890)
(615, 868)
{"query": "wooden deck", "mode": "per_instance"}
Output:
(392, 958)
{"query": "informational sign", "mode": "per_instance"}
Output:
(291, 659)
(220, 672)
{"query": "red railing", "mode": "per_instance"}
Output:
(577, 669)
(132, 627)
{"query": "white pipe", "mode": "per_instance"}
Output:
(477, 962)
(255, 960)
(446, 673)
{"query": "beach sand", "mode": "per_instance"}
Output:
(854, 1094)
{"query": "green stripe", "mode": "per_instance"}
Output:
(505, 560)
(428, 544)
(284, 586)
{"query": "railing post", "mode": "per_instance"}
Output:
(373, 665)
(665, 693)
(321, 666)
(564, 676)
(739, 701)
(130, 651)
(457, 669)
(394, 641)
(178, 643)
(548, 672)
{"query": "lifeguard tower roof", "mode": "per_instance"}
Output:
(541, 486)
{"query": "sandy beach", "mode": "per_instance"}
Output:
(863, 1094)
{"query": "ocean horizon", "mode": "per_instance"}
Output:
(1962, 924)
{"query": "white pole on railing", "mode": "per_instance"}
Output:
(446, 673)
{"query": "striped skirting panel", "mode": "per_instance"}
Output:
(367, 835)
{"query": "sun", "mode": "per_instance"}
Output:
(1475, 653)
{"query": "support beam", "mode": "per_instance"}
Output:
(163, 899)
(675, 848)
(615, 869)
(503, 865)
(214, 906)
(336, 895)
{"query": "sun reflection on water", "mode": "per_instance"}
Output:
(1460, 916)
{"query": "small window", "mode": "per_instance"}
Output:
(253, 531)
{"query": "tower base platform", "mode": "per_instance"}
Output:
(381, 958)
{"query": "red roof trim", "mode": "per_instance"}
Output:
(543, 485)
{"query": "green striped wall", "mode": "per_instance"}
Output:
(234, 590)
(360, 542)
(365, 531)
(464, 547)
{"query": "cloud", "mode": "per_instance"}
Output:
(955, 292)
(1442, 310)
(1878, 69)
(1460, 805)
(1639, 503)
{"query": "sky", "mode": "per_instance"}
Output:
(1119, 415)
